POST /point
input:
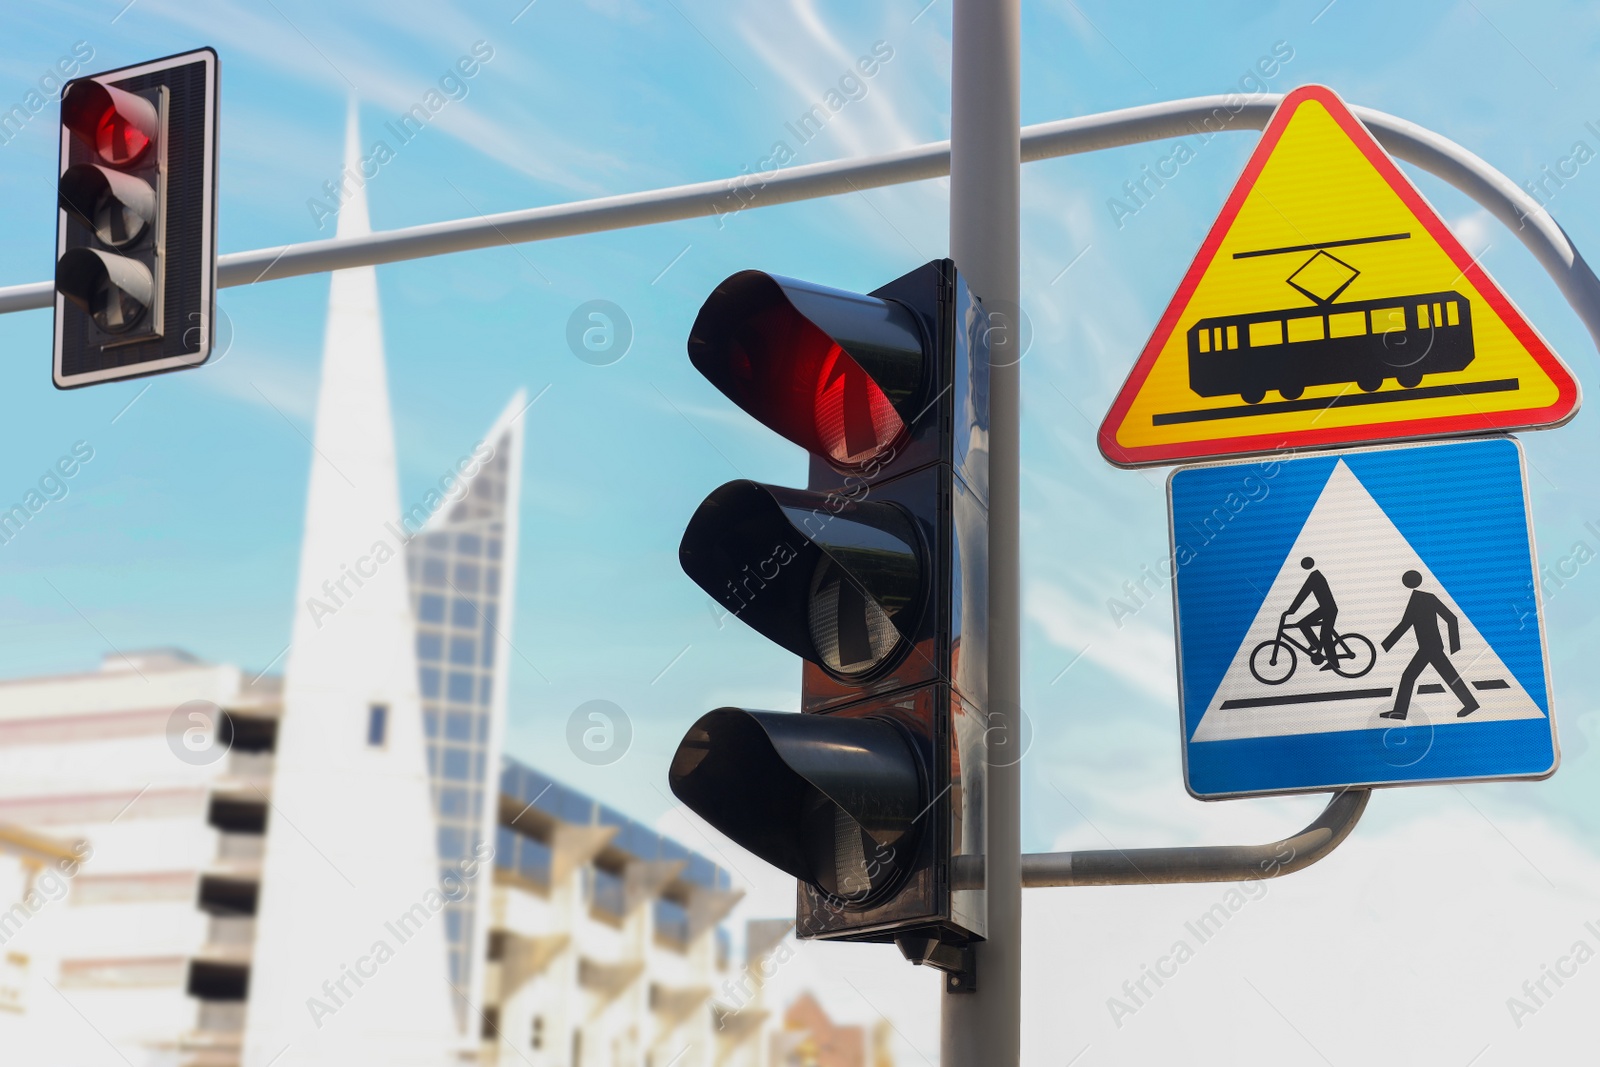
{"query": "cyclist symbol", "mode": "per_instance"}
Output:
(1347, 655)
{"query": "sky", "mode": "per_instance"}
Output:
(183, 529)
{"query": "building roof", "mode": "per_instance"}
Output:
(545, 794)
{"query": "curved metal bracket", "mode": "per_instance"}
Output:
(1165, 866)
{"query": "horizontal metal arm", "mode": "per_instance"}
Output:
(1164, 866)
(1201, 116)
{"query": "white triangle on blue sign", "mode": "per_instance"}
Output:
(1363, 556)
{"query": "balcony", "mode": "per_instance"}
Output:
(254, 765)
(242, 847)
(221, 1017)
(218, 1037)
(239, 855)
(230, 938)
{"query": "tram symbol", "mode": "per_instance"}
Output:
(1364, 342)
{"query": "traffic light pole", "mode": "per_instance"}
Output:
(984, 1027)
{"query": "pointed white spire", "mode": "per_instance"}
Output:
(354, 218)
(350, 878)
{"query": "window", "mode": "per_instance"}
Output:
(452, 842)
(458, 725)
(430, 723)
(1347, 324)
(453, 803)
(1305, 328)
(537, 1037)
(467, 577)
(429, 647)
(456, 764)
(463, 614)
(377, 724)
(431, 608)
(469, 544)
(1263, 334)
(505, 845)
(463, 651)
(433, 572)
(460, 691)
(1388, 320)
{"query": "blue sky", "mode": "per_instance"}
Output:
(184, 528)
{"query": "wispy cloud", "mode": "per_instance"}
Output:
(1137, 654)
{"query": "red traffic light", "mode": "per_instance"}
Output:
(837, 373)
(117, 124)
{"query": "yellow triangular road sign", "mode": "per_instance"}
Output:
(1330, 305)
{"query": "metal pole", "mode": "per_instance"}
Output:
(724, 198)
(984, 1028)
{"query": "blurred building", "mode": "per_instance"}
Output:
(604, 943)
(463, 570)
(339, 866)
(152, 942)
(809, 1038)
(603, 940)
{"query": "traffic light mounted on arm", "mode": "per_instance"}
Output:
(136, 220)
(875, 575)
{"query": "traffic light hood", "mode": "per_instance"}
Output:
(828, 799)
(839, 374)
(837, 582)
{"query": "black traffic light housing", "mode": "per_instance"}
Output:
(136, 220)
(876, 576)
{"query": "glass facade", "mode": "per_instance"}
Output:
(455, 567)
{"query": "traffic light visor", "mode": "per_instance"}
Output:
(839, 374)
(834, 801)
(114, 289)
(118, 207)
(118, 124)
(836, 582)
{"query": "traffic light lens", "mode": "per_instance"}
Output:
(845, 861)
(851, 631)
(118, 124)
(854, 420)
(834, 372)
(117, 140)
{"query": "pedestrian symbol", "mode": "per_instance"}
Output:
(1423, 615)
(1359, 619)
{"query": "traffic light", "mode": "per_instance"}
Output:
(875, 575)
(136, 220)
